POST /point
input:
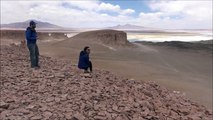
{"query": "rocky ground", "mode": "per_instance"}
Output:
(59, 91)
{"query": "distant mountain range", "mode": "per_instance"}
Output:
(46, 25)
(25, 24)
(130, 27)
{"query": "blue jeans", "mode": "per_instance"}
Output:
(34, 53)
(90, 67)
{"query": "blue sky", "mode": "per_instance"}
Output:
(166, 14)
(137, 5)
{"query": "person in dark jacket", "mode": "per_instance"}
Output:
(31, 37)
(84, 62)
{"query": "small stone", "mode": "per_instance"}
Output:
(10, 100)
(185, 111)
(79, 116)
(102, 113)
(86, 75)
(99, 118)
(47, 114)
(30, 107)
(43, 108)
(37, 117)
(115, 108)
(147, 93)
(145, 112)
(50, 99)
(34, 80)
(4, 105)
(57, 99)
(146, 104)
(24, 111)
(68, 116)
(119, 118)
(74, 118)
(4, 114)
(193, 117)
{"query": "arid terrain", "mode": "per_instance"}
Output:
(59, 91)
(184, 71)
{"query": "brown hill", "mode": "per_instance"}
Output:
(60, 91)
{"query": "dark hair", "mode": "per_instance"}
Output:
(32, 22)
(85, 48)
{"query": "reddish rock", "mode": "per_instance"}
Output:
(24, 111)
(50, 99)
(185, 111)
(4, 105)
(119, 118)
(145, 111)
(79, 116)
(57, 99)
(36, 117)
(69, 115)
(193, 117)
(47, 115)
(99, 117)
(4, 114)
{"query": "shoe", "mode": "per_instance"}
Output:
(36, 67)
(87, 75)
(86, 71)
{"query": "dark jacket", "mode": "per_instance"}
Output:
(83, 60)
(31, 35)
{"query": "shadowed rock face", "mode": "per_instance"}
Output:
(58, 90)
(113, 37)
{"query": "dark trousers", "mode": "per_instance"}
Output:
(90, 67)
(34, 54)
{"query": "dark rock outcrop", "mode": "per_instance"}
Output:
(110, 37)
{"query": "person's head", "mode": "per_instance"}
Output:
(32, 24)
(87, 50)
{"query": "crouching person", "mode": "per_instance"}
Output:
(84, 62)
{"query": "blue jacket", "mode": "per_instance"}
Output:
(31, 35)
(83, 60)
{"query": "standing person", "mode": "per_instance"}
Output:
(31, 37)
(84, 62)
